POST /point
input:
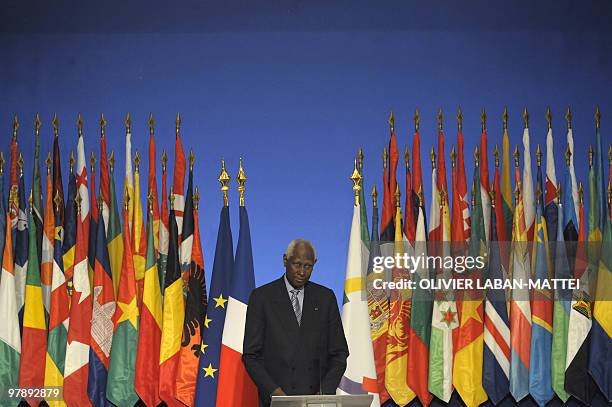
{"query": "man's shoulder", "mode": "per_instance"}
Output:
(320, 290)
(267, 289)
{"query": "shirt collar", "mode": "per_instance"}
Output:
(290, 287)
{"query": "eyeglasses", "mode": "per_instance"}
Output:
(304, 266)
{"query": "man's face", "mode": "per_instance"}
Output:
(299, 266)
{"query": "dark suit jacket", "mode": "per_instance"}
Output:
(301, 359)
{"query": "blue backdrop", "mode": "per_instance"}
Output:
(295, 87)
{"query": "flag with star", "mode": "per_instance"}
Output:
(102, 325)
(195, 311)
(223, 265)
(146, 380)
(122, 365)
(172, 318)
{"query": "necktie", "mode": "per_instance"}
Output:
(296, 305)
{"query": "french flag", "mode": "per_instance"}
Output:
(235, 387)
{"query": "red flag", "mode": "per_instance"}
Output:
(417, 175)
(409, 222)
(393, 159)
(179, 179)
(484, 180)
(462, 188)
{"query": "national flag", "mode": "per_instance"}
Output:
(467, 362)
(442, 186)
(195, 311)
(360, 374)
(172, 318)
(139, 243)
(223, 265)
(540, 385)
(484, 178)
(104, 178)
(499, 213)
(146, 381)
(163, 226)
(20, 252)
(13, 209)
(10, 338)
(2, 208)
(396, 368)
(34, 333)
(496, 353)
(186, 244)
(59, 310)
(506, 188)
(113, 234)
(101, 319)
(520, 308)
(122, 364)
(417, 174)
(128, 180)
(527, 186)
(434, 210)
(600, 180)
(570, 146)
(93, 219)
(539, 179)
(393, 158)
(152, 185)
(58, 188)
(378, 306)
(37, 206)
(387, 231)
(79, 331)
(410, 221)
(462, 192)
(179, 179)
(550, 205)
(46, 264)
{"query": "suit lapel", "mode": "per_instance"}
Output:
(284, 309)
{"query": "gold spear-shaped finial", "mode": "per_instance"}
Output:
(417, 120)
(55, 124)
(476, 157)
(483, 120)
(442, 194)
(111, 161)
(171, 197)
(37, 125)
(432, 156)
(151, 123)
(568, 155)
(15, 127)
(224, 179)
(164, 160)
(92, 161)
(398, 196)
(505, 118)
(459, 119)
(538, 156)
(559, 193)
(57, 201)
(568, 118)
(178, 124)
(538, 193)
(77, 200)
(356, 178)
(496, 155)
(20, 163)
(191, 159)
(71, 161)
(126, 198)
(196, 199)
(548, 118)
(360, 160)
(102, 124)
(517, 156)
(526, 118)
(374, 197)
(580, 193)
(137, 162)
(440, 119)
(384, 157)
(406, 158)
(2, 162)
(453, 156)
(80, 124)
(128, 123)
(391, 121)
(241, 179)
(150, 198)
(597, 118)
(590, 155)
(49, 162)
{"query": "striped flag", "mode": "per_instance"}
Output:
(20, 252)
(172, 318)
(10, 339)
(101, 319)
(550, 204)
(527, 187)
(235, 387)
(37, 206)
(146, 381)
(79, 331)
(139, 243)
(122, 364)
(113, 234)
(506, 187)
(186, 244)
(360, 374)
(178, 185)
(46, 264)
(223, 264)
(540, 385)
(163, 226)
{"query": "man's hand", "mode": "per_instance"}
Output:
(278, 392)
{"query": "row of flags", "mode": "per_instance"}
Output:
(109, 308)
(428, 344)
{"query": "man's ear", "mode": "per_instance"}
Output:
(314, 262)
(285, 260)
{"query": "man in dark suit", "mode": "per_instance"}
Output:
(294, 343)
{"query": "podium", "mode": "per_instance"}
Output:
(359, 400)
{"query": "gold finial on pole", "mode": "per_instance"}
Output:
(483, 120)
(191, 159)
(241, 179)
(20, 163)
(391, 121)
(459, 119)
(15, 127)
(151, 123)
(57, 201)
(432, 156)
(580, 193)
(568, 118)
(196, 199)
(517, 156)
(453, 157)
(406, 158)
(526, 118)
(597, 118)
(92, 161)
(417, 120)
(80, 124)
(374, 197)
(476, 157)
(102, 124)
(559, 193)
(360, 160)
(55, 124)
(126, 198)
(30, 201)
(171, 197)
(590, 155)
(505, 117)
(178, 124)
(13, 201)
(2, 162)
(111, 161)
(164, 160)
(384, 157)
(71, 161)
(37, 125)
(224, 179)
(440, 119)
(397, 196)
(128, 123)
(356, 178)
(496, 155)
(137, 162)
(568, 155)
(77, 201)
(548, 118)
(421, 199)
(538, 156)
(150, 199)
(442, 194)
